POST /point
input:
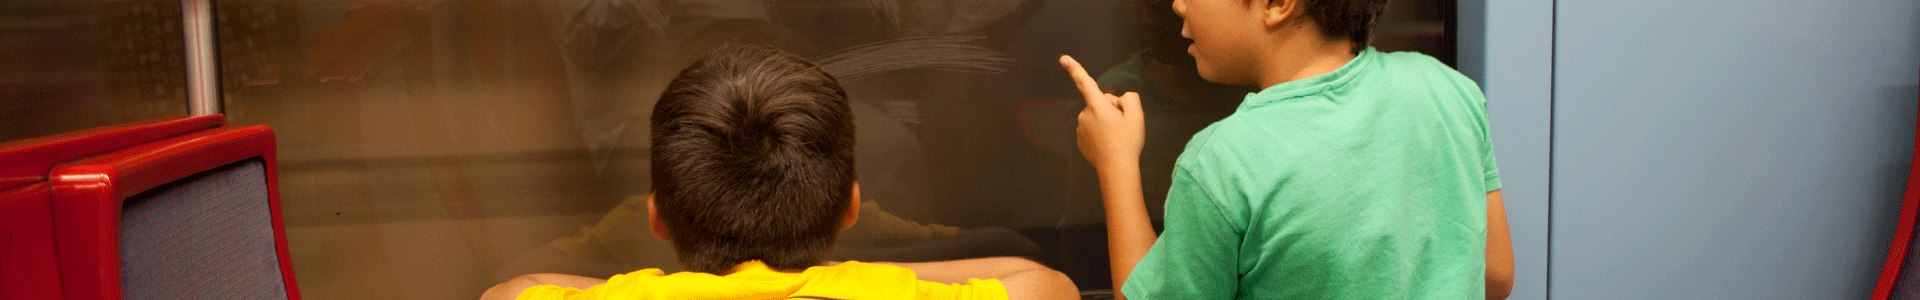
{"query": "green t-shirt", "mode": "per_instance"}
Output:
(1368, 182)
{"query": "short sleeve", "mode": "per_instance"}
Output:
(1490, 170)
(1198, 254)
(1476, 100)
(974, 289)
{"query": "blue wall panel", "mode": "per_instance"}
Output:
(1728, 149)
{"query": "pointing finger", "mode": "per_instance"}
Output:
(1089, 89)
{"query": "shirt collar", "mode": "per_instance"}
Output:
(1313, 85)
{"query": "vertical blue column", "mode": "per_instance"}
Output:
(1507, 46)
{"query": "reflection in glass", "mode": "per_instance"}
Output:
(72, 65)
(430, 149)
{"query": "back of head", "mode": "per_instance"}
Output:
(752, 160)
(1349, 19)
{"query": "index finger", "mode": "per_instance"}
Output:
(1089, 89)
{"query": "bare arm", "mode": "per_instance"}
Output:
(1023, 278)
(1111, 132)
(1499, 249)
(1129, 231)
(511, 289)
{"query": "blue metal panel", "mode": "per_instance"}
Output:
(1729, 149)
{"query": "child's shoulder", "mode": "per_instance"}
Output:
(863, 269)
(1408, 56)
(1409, 63)
(866, 275)
(1233, 142)
(1406, 70)
(858, 280)
(1410, 59)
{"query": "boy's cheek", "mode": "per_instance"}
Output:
(1202, 59)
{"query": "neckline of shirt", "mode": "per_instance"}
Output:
(1312, 85)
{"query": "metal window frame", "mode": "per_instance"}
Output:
(203, 76)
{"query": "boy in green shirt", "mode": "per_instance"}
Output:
(1353, 174)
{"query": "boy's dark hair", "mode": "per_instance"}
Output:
(1351, 19)
(752, 160)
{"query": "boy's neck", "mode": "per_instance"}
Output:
(1296, 59)
(1186, 88)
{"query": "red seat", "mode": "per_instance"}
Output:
(27, 262)
(174, 208)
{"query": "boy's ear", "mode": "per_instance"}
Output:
(654, 222)
(1278, 11)
(853, 211)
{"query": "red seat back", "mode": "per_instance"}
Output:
(116, 212)
(124, 217)
(28, 268)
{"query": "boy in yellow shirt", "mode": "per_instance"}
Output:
(753, 180)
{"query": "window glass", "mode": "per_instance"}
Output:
(429, 149)
(72, 65)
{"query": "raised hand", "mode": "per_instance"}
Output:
(1112, 128)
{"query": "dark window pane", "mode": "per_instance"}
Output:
(72, 65)
(454, 144)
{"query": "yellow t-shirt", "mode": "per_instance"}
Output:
(754, 280)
